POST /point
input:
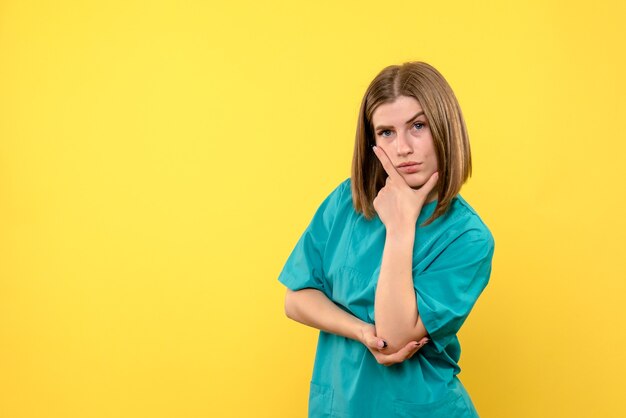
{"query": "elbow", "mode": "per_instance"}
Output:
(395, 344)
(398, 338)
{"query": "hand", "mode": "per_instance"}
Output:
(397, 204)
(375, 346)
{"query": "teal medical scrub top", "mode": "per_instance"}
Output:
(340, 254)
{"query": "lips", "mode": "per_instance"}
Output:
(409, 169)
(408, 163)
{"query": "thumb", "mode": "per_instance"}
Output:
(375, 342)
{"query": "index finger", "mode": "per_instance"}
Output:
(387, 164)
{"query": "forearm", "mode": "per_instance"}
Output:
(313, 308)
(395, 305)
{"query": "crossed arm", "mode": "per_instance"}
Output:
(313, 308)
(397, 319)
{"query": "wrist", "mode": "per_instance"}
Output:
(401, 232)
(359, 330)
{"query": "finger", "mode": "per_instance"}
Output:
(412, 348)
(373, 342)
(378, 343)
(400, 355)
(381, 344)
(419, 345)
(387, 164)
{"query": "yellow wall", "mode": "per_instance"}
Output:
(159, 160)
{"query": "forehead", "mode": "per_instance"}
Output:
(396, 112)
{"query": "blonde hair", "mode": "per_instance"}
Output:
(424, 83)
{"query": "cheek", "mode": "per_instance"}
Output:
(431, 155)
(431, 163)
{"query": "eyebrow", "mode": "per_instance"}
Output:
(420, 113)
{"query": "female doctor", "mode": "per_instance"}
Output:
(394, 259)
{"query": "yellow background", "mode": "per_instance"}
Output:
(159, 160)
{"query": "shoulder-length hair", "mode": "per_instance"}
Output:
(424, 83)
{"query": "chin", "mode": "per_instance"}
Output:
(417, 179)
(415, 185)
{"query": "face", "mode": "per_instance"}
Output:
(403, 132)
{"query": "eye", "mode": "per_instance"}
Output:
(418, 125)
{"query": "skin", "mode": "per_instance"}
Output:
(406, 142)
(398, 205)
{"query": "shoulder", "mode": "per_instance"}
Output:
(461, 240)
(464, 220)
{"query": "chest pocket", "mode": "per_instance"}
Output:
(354, 291)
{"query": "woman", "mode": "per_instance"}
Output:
(394, 259)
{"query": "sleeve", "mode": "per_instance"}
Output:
(304, 266)
(449, 287)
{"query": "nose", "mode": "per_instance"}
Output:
(403, 144)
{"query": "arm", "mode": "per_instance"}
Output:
(398, 206)
(395, 306)
(311, 307)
